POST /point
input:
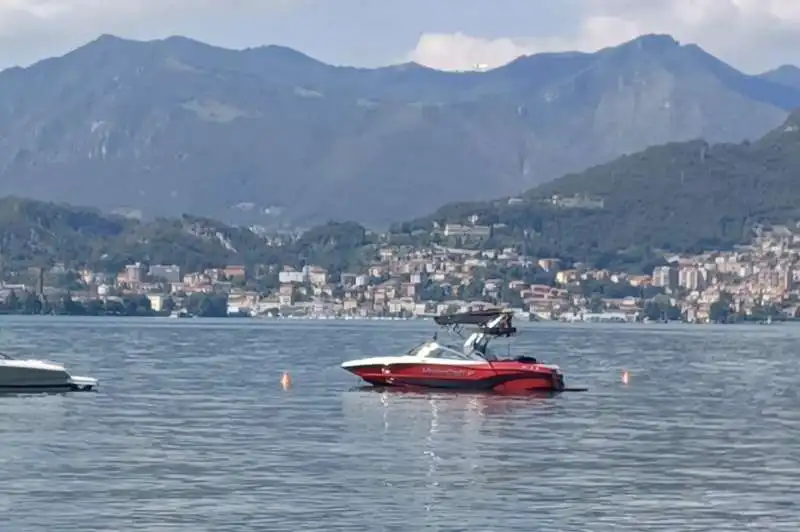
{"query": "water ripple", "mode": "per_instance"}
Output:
(191, 431)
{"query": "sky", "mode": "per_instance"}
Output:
(752, 35)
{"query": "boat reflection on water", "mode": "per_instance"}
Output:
(459, 410)
(436, 442)
(458, 401)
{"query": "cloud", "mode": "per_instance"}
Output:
(752, 34)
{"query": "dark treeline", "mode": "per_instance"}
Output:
(41, 234)
(201, 305)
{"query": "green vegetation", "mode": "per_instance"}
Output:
(30, 303)
(680, 197)
(335, 246)
(34, 233)
(207, 305)
(39, 234)
(661, 309)
(200, 305)
(722, 311)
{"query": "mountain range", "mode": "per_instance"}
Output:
(271, 136)
(688, 196)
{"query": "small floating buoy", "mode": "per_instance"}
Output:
(286, 381)
(625, 377)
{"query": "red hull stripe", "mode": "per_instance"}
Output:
(464, 377)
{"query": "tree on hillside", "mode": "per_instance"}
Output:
(721, 310)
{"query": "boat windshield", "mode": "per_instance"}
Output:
(451, 353)
(480, 343)
(436, 350)
(414, 351)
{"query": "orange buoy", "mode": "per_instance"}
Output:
(286, 381)
(625, 377)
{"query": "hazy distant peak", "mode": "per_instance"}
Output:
(279, 49)
(655, 41)
(180, 39)
(409, 66)
(109, 38)
(284, 53)
(788, 75)
(529, 58)
(784, 69)
(106, 43)
(650, 42)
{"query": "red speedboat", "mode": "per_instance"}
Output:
(471, 366)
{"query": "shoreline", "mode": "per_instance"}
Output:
(265, 318)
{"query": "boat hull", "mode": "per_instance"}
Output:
(499, 377)
(42, 378)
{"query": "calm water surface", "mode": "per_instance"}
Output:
(192, 431)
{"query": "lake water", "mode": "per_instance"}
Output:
(191, 430)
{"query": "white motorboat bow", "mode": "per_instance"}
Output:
(39, 376)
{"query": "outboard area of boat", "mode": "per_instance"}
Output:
(38, 376)
(83, 384)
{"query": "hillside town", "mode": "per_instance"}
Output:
(762, 277)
